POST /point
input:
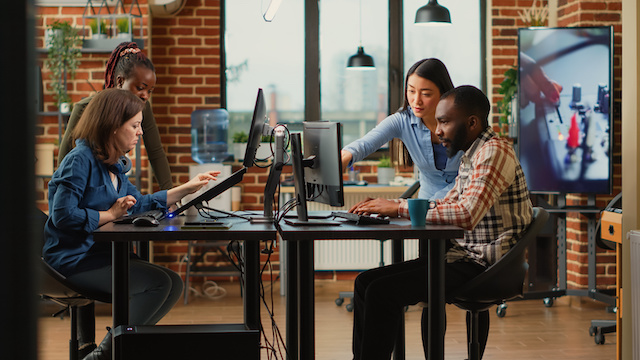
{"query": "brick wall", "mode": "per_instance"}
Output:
(88, 77)
(570, 13)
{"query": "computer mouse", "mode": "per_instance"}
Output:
(145, 221)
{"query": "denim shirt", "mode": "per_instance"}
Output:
(78, 191)
(404, 125)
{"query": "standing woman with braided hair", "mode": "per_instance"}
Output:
(130, 69)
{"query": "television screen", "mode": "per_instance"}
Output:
(564, 108)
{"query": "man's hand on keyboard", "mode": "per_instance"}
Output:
(376, 206)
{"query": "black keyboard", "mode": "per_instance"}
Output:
(128, 219)
(359, 219)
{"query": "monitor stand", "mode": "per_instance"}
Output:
(274, 177)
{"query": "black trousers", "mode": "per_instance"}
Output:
(381, 294)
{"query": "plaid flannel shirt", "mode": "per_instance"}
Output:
(490, 200)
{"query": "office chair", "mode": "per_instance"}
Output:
(55, 287)
(342, 295)
(502, 281)
(600, 327)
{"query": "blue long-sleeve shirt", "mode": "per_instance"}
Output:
(78, 191)
(404, 125)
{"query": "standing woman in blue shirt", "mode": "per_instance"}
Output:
(91, 188)
(415, 124)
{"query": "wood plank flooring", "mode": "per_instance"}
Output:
(528, 331)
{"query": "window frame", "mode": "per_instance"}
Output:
(312, 107)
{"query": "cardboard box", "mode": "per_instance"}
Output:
(611, 226)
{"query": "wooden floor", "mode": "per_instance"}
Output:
(528, 331)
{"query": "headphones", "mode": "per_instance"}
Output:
(122, 166)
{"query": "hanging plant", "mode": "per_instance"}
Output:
(62, 57)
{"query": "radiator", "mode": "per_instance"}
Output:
(360, 254)
(634, 253)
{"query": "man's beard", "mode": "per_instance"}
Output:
(458, 142)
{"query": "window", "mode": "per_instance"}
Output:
(271, 56)
(267, 55)
(357, 99)
(458, 45)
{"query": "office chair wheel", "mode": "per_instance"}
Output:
(339, 301)
(548, 302)
(599, 337)
(501, 310)
(593, 330)
(349, 307)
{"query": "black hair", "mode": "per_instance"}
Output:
(123, 61)
(471, 101)
(431, 69)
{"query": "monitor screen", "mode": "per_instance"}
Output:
(322, 141)
(564, 142)
(255, 133)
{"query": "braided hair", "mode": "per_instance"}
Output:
(123, 60)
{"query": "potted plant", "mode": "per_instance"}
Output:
(62, 58)
(239, 140)
(386, 172)
(264, 149)
(101, 32)
(123, 28)
(509, 90)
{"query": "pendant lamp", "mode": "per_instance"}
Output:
(361, 60)
(433, 14)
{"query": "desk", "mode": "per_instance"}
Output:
(120, 235)
(298, 241)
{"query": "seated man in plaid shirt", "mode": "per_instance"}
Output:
(490, 200)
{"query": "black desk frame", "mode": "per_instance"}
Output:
(121, 235)
(300, 337)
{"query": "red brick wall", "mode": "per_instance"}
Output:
(89, 76)
(595, 13)
(570, 13)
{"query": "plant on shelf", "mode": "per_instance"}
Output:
(240, 137)
(102, 32)
(123, 26)
(384, 162)
(509, 90)
(386, 172)
(63, 57)
(239, 140)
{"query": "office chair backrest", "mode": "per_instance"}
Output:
(504, 280)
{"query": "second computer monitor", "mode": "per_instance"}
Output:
(322, 143)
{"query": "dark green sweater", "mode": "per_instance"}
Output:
(151, 138)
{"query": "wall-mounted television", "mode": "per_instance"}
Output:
(565, 141)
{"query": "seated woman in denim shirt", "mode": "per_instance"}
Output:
(415, 125)
(91, 188)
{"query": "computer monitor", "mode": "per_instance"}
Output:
(565, 144)
(258, 126)
(317, 175)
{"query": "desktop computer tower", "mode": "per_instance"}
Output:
(173, 342)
